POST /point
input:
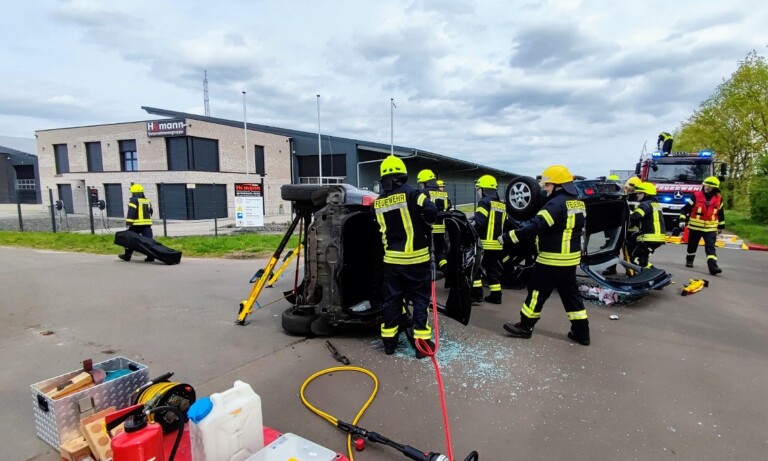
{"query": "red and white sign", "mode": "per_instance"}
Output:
(166, 128)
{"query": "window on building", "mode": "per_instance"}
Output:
(259, 162)
(93, 156)
(61, 156)
(334, 168)
(187, 153)
(129, 158)
(25, 184)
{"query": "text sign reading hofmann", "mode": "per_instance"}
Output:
(166, 128)
(249, 205)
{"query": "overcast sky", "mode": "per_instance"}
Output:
(517, 85)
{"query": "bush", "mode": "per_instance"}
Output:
(758, 200)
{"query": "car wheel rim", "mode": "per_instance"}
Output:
(519, 196)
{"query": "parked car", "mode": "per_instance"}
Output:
(343, 264)
(606, 229)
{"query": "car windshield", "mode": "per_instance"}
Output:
(677, 172)
(603, 241)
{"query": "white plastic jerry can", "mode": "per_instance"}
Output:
(227, 426)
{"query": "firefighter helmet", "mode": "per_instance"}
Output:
(646, 188)
(441, 183)
(614, 177)
(558, 174)
(392, 165)
(425, 175)
(136, 188)
(486, 181)
(712, 182)
(633, 181)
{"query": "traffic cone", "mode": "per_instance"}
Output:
(685, 235)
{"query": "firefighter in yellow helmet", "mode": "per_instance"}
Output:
(705, 218)
(629, 191)
(558, 226)
(648, 219)
(490, 215)
(139, 218)
(429, 184)
(405, 216)
(614, 177)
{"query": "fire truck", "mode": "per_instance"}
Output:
(677, 176)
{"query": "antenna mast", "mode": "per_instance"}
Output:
(205, 94)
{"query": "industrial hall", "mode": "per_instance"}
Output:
(189, 164)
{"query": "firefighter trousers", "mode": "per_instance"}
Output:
(146, 231)
(710, 237)
(491, 264)
(543, 281)
(401, 283)
(640, 251)
(441, 250)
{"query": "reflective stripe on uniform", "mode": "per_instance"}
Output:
(577, 315)
(495, 287)
(559, 259)
(547, 217)
(424, 334)
(388, 332)
(406, 257)
(477, 284)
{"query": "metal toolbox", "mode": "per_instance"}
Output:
(57, 421)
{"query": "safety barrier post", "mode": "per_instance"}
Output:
(215, 214)
(165, 211)
(18, 208)
(53, 213)
(90, 209)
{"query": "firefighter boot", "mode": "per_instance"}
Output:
(477, 295)
(713, 269)
(579, 332)
(494, 297)
(390, 344)
(517, 330)
(124, 257)
(689, 260)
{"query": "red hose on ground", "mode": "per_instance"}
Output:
(424, 348)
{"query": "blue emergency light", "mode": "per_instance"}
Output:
(666, 198)
(705, 153)
(656, 153)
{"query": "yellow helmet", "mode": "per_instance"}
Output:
(556, 174)
(614, 177)
(633, 181)
(486, 181)
(136, 188)
(712, 182)
(441, 183)
(425, 175)
(646, 188)
(392, 165)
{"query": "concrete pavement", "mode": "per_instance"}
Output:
(675, 377)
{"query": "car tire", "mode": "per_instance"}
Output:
(523, 198)
(300, 193)
(297, 322)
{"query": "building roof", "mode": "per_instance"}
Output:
(377, 147)
(18, 155)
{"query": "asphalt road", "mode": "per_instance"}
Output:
(675, 378)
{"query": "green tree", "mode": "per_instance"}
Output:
(733, 122)
(758, 197)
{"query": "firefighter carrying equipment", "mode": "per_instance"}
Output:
(486, 181)
(712, 182)
(392, 165)
(137, 188)
(425, 175)
(139, 210)
(694, 286)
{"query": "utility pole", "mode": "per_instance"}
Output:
(392, 108)
(205, 94)
(245, 134)
(319, 143)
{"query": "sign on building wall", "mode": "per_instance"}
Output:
(249, 205)
(174, 127)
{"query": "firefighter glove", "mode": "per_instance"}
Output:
(682, 224)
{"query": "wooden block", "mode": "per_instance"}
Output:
(94, 430)
(76, 384)
(74, 449)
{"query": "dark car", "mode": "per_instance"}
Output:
(604, 236)
(343, 262)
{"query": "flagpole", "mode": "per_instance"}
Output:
(319, 143)
(245, 135)
(391, 126)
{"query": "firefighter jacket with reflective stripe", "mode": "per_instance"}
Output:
(649, 219)
(558, 227)
(440, 199)
(489, 221)
(405, 217)
(704, 212)
(139, 211)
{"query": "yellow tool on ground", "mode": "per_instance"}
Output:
(694, 286)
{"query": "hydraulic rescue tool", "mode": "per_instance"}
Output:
(694, 286)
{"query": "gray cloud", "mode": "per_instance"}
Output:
(551, 46)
